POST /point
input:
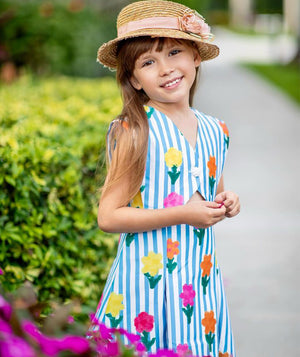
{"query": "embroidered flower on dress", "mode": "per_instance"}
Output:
(144, 325)
(173, 158)
(187, 296)
(152, 265)
(172, 249)
(205, 266)
(211, 164)
(183, 350)
(114, 308)
(209, 323)
(226, 133)
(172, 200)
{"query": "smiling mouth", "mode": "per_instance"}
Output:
(171, 83)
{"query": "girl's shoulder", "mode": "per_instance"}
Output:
(211, 121)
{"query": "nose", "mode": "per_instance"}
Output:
(165, 68)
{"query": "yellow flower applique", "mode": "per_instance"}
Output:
(173, 158)
(152, 265)
(114, 308)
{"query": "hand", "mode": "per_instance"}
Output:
(231, 202)
(203, 214)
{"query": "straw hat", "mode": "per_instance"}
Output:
(159, 18)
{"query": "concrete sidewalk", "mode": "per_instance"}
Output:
(258, 250)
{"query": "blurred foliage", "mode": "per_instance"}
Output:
(52, 141)
(58, 36)
(286, 77)
(268, 6)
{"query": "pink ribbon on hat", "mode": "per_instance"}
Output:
(192, 23)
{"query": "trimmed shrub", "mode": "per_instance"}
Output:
(52, 141)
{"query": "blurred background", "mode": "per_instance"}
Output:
(56, 103)
(62, 36)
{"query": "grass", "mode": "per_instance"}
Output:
(285, 77)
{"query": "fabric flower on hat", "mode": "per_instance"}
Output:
(195, 24)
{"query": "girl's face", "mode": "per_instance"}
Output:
(166, 76)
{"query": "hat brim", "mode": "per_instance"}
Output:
(107, 53)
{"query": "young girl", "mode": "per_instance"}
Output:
(164, 189)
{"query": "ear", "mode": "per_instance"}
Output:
(135, 83)
(197, 59)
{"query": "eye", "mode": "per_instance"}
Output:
(147, 63)
(174, 52)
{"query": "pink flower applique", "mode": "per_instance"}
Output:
(187, 297)
(144, 325)
(172, 200)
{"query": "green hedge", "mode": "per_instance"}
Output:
(52, 143)
(57, 36)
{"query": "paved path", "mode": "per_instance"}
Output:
(258, 250)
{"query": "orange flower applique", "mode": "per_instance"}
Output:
(226, 133)
(209, 322)
(224, 127)
(205, 266)
(226, 354)
(211, 164)
(172, 249)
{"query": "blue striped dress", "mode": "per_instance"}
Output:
(166, 284)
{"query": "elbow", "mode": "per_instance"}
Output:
(105, 224)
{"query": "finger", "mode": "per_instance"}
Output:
(220, 197)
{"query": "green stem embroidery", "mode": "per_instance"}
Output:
(200, 232)
(153, 280)
(173, 174)
(212, 182)
(210, 340)
(113, 321)
(146, 341)
(226, 141)
(204, 281)
(129, 238)
(171, 265)
(188, 310)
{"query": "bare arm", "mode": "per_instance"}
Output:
(115, 217)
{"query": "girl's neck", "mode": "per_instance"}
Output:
(172, 110)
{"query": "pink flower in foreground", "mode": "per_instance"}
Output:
(172, 200)
(187, 295)
(5, 327)
(5, 309)
(13, 346)
(52, 346)
(70, 319)
(1, 272)
(163, 353)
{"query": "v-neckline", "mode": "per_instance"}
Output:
(179, 131)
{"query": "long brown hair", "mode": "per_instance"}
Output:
(128, 138)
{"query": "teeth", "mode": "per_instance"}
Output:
(172, 83)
